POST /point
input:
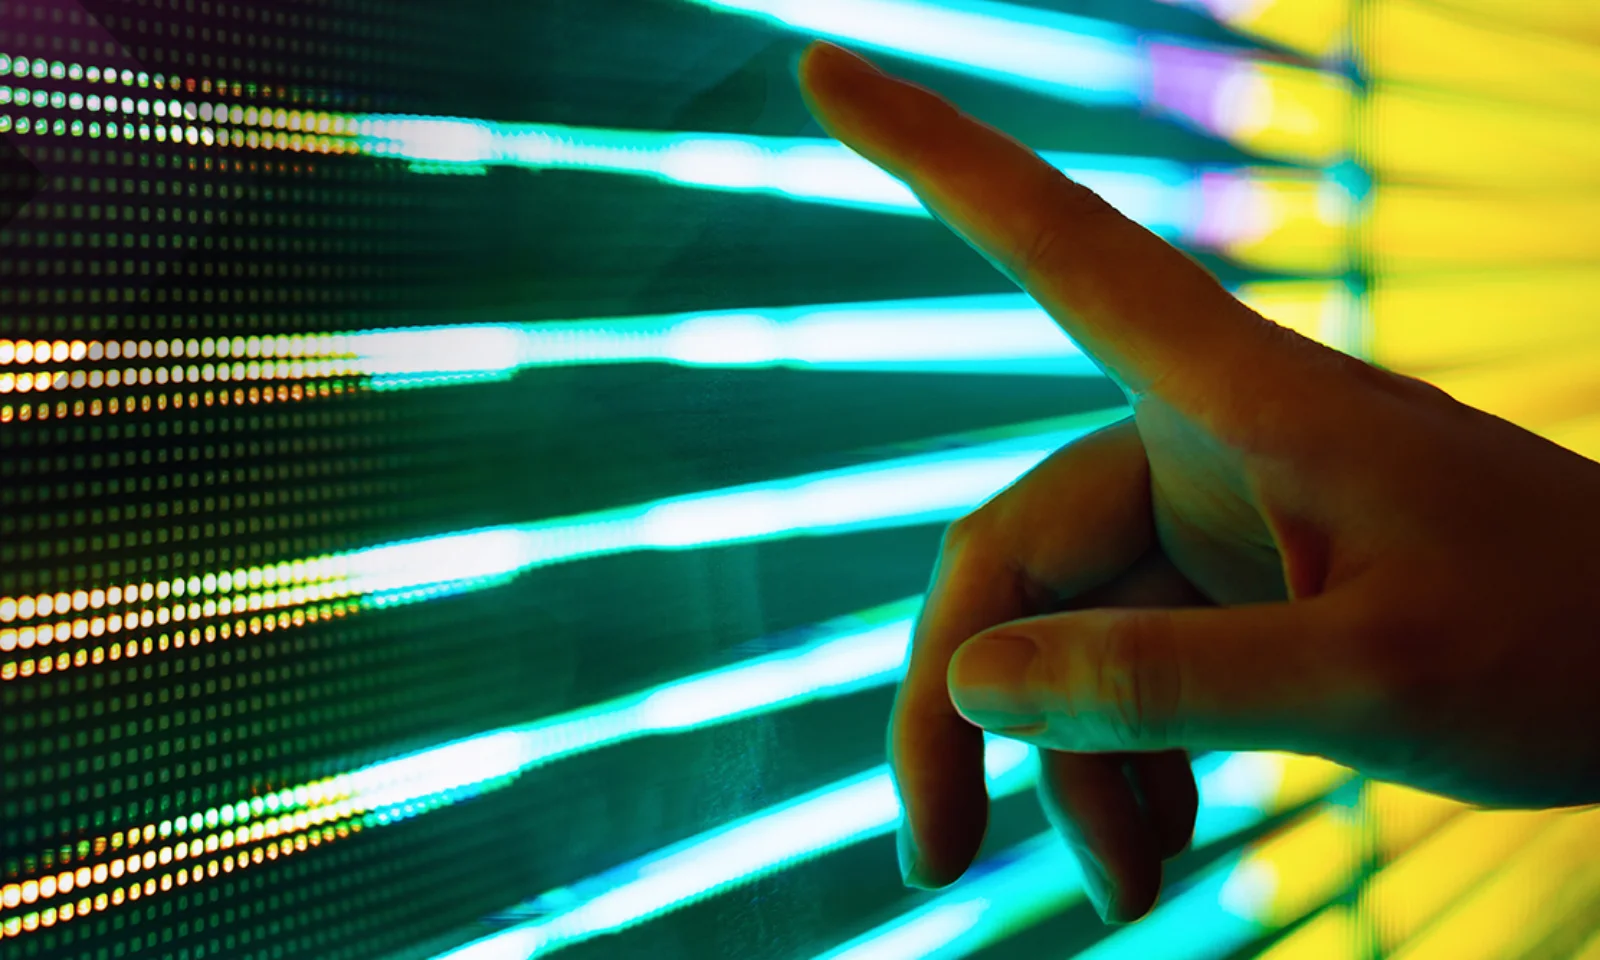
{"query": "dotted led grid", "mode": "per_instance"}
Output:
(177, 245)
(187, 219)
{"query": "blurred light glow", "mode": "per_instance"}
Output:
(1313, 27)
(1038, 878)
(1445, 138)
(1551, 879)
(1409, 893)
(1427, 44)
(1445, 319)
(1276, 880)
(1295, 112)
(1058, 54)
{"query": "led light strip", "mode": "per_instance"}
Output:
(309, 365)
(197, 123)
(145, 402)
(808, 827)
(998, 334)
(1172, 198)
(1035, 880)
(847, 655)
(1238, 210)
(905, 491)
(309, 351)
(714, 861)
(1272, 108)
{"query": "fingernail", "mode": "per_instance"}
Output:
(831, 56)
(905, 848)
(1096, 883)
(989, 683)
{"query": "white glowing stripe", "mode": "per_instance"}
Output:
(1165, 195)
(987, 332)
(1055, 53)
(919, 489)
(1002, 333)
(927, 488)
(838, 815)
(851, 658)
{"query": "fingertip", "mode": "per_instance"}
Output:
(827, 69)
(1133, 897)
(937, 768)
(945, 851)
(911, 869)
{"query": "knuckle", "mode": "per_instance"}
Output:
(1132, 675)
(960, 535)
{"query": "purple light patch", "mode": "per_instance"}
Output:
(1188, 82)
(1230, 209)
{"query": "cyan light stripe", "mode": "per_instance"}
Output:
(991, 334)
(1090, 61)
(926, 488)
(1165, 195)
(1200, 923)
(810, 826)
(850, 654)
(1038, 879)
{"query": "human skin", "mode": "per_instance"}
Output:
(1283, 548)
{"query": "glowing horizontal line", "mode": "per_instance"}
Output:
(1164, 194)
(844, 813)
(902, 491)
(848, 654)
(705, 865)
(1004, 333)
(989, 334)
(1038, 878)
(1054, 53)
(1272, 107)
(175, 374)
(1205, 206)
(295, 349)
(23, 66)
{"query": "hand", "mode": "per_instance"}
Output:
(1407, 586)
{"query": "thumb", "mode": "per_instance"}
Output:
(1262, 677)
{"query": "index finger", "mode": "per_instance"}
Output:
(1141, 308)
